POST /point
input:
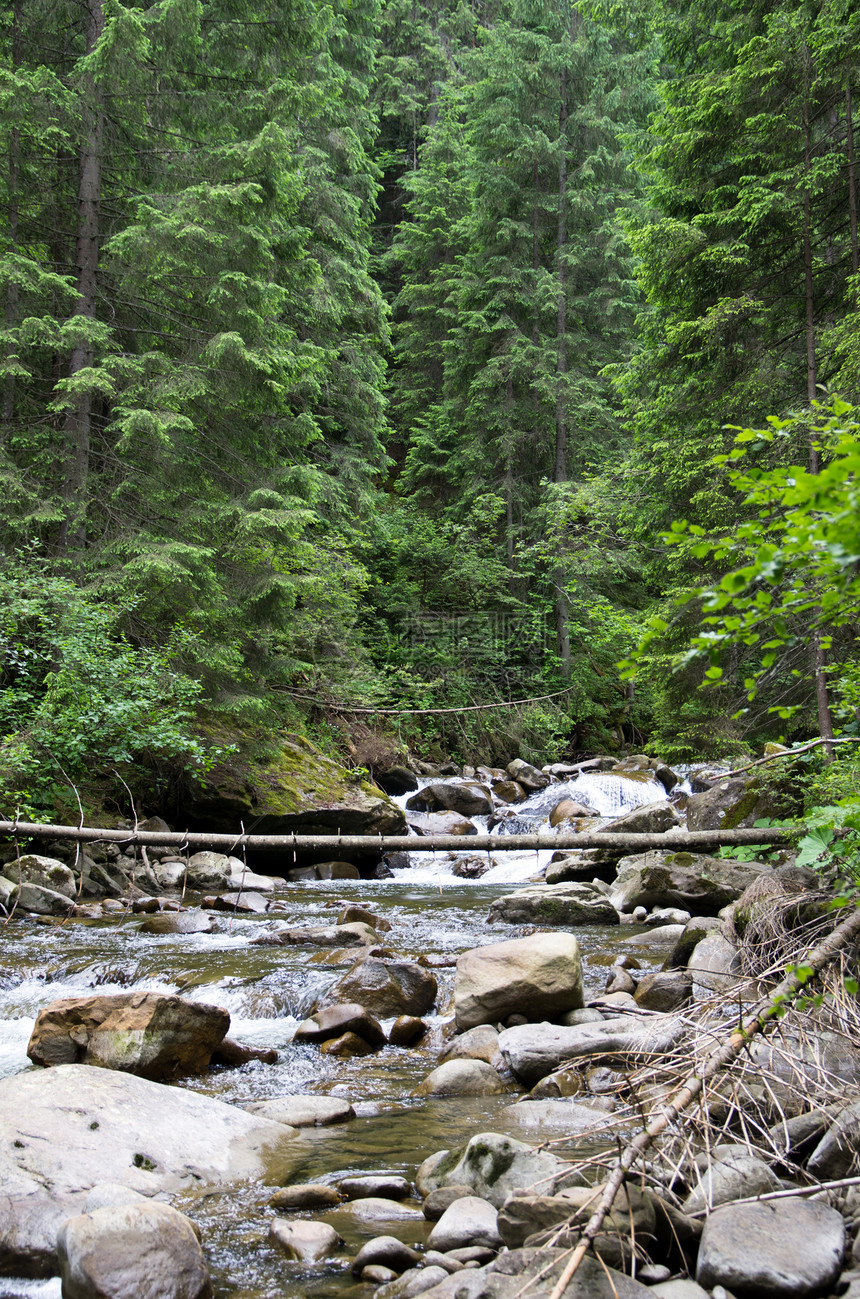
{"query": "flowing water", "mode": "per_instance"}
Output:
(268, 990)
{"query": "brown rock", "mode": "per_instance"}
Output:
(308, 1195)
(406, 1029)
(346, 1017)
(385, 988)
(141, 1248)
(147, 1033)
(347, 1045)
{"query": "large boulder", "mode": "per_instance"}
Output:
(695, 882)
(132, 1250)
(538, 976)
(461, 1078)
(554, 904)
(532, 1051)
(72, 1127)
(781, 1249)
(648, 818)
(440, 823)
(494, 1167)
(46, 872)
(148, 1033)
(632, 1215)
(298, 791)
(715, 966)
(468, 1221)
(385, 988)
(469, 799)
(731, 804)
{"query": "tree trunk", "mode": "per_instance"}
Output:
(560, 473)
(822, 700)
(79, 416)
(8, 412)
(852, 183)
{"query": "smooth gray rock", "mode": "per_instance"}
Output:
(648, 818)
(702, 885)
(461, 1078)
(73, 1127)
(130, 1251)
(779, 1249)
(536, 976)
(533, 1273)
(28, 1231)
(305, 1195)
(534, 1050)
(837, 1153)
(478, 1043)
(304, 1240)
(715, 966)
(418, 1281)
(385, 1186)
(734, 1178)
(303, 1111)
(469, 1221)
(46, 872)
(569, 903)
(664, 990)
(496, 1166)
(386, 1251)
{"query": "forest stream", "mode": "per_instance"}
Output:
(434, 914)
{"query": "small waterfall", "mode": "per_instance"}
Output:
(607, 794)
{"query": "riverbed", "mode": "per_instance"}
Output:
(267, 990)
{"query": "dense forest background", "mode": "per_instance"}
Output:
(419, 354)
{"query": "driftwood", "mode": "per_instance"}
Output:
(788, 753)
(765, 1010)
(364, 843)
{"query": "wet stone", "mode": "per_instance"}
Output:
(310, 1195)
(304, 1241)
(406, 1029)
(346, 1046)
(379, 1185)
(438, 1201)
(385, 1251)
(303, 1111)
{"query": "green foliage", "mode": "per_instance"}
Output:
(75, 691)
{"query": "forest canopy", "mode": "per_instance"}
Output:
(419, 356)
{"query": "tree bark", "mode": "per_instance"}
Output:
(852, 183)
(562, 627)
(8, 411)
(366, 843)
(78, 419)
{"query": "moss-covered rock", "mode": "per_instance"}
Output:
(296, 789)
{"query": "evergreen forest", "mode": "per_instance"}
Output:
(361, 359)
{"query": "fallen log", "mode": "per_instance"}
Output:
(229, 843)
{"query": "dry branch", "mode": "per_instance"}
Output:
(229, 843)
(765, 1010)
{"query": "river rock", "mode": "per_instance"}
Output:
(836, 1155)
(699, 884)
(382, 1186)
(441, 1199)
(371, 1210)
(649, 818)
(776, 1250)
(697, 928)
(468, 799)
(354, 935)
(478, 1043)
(303, 1111)
(385, 988)
(336, 870)
(46, 872)
(245, 880)
(249, 903)
(538, 975)
(298, 790)
(534, 1050)
(527, 1216)
(406, 1029)
(509, 791)
(302, 1240)
(209, 870)
(736, 1177)
(731, 804)
(38, 900)
(28, 1231)
(554, 904)
(97, 1125)
(527, 775)
(440, 823)
(354, 913)
(664, 990)
(347, 1017)
(177, 922)
(147, 1033)
(385, 1251)
(714, 965)
(417, 1281)
(232, 1055)
(305, 1195)
(533, 1273)
(346, 1046)
(461, 1078)
(495, 1166)
(131, 1250)
(566, 810)
(468, 1221)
